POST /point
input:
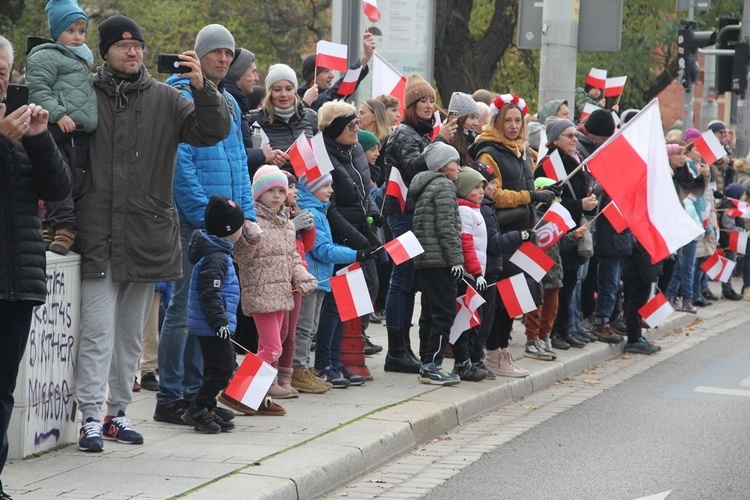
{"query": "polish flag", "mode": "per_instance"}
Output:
(614, 217)
(387, 80)
(403, 248)
(331, 56)
(718, 267)
(466, 315)
(656, 310)
(597, 78)
(352, 297)
(709, 147)
(587, 110)
(516, 296)
(532, 259)
(322, 160)
(257, 129)
(251, 381)
(397, 188)
(348, 269)
(614, 86)
(742, 208)
(542, 144)
(371, 10)
(349, 84)
(738, 242)
(558, 221)
(553, 166)
(302, 157)
(437, 125)
(644, 192)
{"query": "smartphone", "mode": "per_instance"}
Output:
(15, 97)
(452, 115)
(170, 63)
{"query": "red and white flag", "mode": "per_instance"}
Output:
(656, 310)
(558, 221)
(553, 166)
(709, 147)
(352, 297)
(587, 110)
(466, 315)
(542, 144)
(258, 130)
(741, 208)
(403, 248)
(349, 84)
(597, 78)
(331, 55)
(738, 242)
(614, 217)
(396, 187)
(387, 80)
(644, 192)
(516, 296)
(437, 125)
(718, 267)
(348, 269)
(532, 259)
(322, 160)
(371, 10)
(251, 381)
(614, 86)
(301, 156)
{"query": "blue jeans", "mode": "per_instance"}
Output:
(399, 304)
(745, 271)
(607, 283)
(681, 283)
(698, 279)
(180, 358)
(575, 299)
(330, 333)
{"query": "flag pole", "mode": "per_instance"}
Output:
(239, 345)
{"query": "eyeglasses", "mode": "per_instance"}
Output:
(570, 135)
(354, 125)
(125, 47)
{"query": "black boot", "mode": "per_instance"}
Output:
(398, 359)
(407, 345)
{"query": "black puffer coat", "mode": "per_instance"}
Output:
(281, 134)
(29, 170)
(404, 152)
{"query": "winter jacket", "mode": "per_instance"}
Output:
(214, 289)
(728, 223)
(403, 151)
(221, 169)
(351, 202)
(255, 157)
(581, 99)
(436, 224)
(499, 244)
(133, 150)
(607, 242)
(325, 253)
(638, 266)
(554, 277)
(473, 238)
(575, 187)
(281, 134)
(62, 83)
(742, 167)
(271, 268)
(333, 93)
(31, 169)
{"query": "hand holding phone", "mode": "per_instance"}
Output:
(15, 97)
(170, 63)
(452, 115)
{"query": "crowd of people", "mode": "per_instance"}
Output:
(181, 197)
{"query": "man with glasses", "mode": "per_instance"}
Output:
(722, 172)
(128, 234)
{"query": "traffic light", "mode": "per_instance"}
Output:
(729, 35)
(688, 43)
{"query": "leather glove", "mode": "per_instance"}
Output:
(480, 282)
(307, 287)
(528, 235)
(556, 188)
(365, 254)
(543, 196)
(223, 332)
(457, 272)
(375, 219)
(302, 220)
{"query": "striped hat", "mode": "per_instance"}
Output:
(268, 177)
(316, 184)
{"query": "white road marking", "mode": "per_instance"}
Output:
(658, 496)
(723, 391)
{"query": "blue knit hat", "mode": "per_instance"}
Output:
(63, 13)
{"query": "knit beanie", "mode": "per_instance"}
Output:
(243, 59)
(534, 132)
(116, 28)
(628, 115)
(674, 149)
(600, 123)
(716, 126)
(555, 126)
(485, 170)
(691, 134)
(367, 139)
(61, 14)
(416, 88)
(316, 184)
(268, 177)
(290, 178)
(212, 37)
(735, 190)
(279, 72)
(468, 179)
(223, 216)
(464, 104)
(438, 154)
(308, 67)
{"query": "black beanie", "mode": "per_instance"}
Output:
(308, 67)
(223, 216)
(116, 28)
(600, 123)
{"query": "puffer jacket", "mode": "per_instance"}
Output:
(403, 151)
(255, 157)
(31, 169)
(437, 224)
(126, 211)
(607, 241)
(214, 289)
(473, 238)
(325, 253)
(281, 134)
(351, 202)
(202, 172)
(62, 83)
(500, 245)
(575, 188)
(271, 268)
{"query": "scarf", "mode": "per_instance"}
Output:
(517, 146)
(284, 114)
(83, 52)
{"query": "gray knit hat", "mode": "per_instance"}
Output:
(279, 72)
(556, 126)
(438, 154)
(212, 37)
(534, 132)
(316, 184)
(464, 104)
(243, 59)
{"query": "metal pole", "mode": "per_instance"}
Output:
(709, 107)
(743, 110)
(557, 68)
(688, 97)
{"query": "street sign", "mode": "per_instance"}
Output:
(699, 5)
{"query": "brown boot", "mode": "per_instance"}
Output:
(605, 334)
(285, 380)
(63, 241)
(304, 380)
(48, 234)
(267, 407)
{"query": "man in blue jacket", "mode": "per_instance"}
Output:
(200, 172)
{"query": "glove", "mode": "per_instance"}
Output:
(556, 188)
(223, 332)
(528, 235)
(481, 283)
(543, 196)
(365, 254)
(375, 219)
(307, 287)
(303, 219)
(457, 272)
(718, 195)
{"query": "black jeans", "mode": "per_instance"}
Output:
(75, 151)
(218, 366)
(438, 312)
(570, 278)
(636, 292)
(15, 321)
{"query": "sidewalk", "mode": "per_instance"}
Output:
(324, 441)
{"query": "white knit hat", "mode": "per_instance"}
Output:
(279, 72)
